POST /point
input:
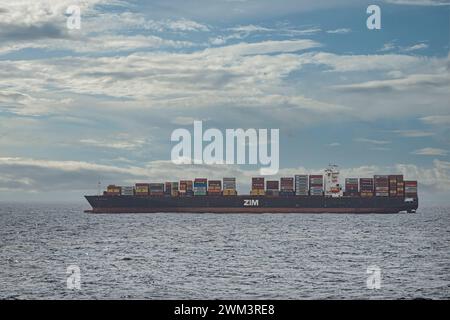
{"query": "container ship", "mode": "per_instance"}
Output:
(321, 193)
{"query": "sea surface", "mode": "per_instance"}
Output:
(213, 256)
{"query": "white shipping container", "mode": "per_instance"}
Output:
(127, 191)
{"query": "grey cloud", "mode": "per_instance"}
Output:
(38, 175)
(48, 179)
(33, 32)
(46, 175)
(6, 97)
(28, 175)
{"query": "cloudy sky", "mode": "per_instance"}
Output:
(100, 102)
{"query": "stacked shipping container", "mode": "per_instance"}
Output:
(229, 187)
(396, 186)
(156, 189)
(186, 188)
(351, 187)
(381, 183)
(174, 189)
(410, 189)
(272, 185)
(316, 185)
(287, 186)
(127, 191)
(142, 189)
(392, 185)
(400, 186)
(366, 187)
(200, 186)
(301, 185)
(257, 187)
(113, 190)
(272, 188)
(214, 187)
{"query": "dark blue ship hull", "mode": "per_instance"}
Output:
(250, 204)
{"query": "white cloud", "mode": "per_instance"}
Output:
(437, 120)
(242, 32)
(431, 152)
(419, 46)
(265, 47)
(261, 75)
(340, 31)
(186, 25)
(245, 74)
(389, 46)
(124, 43)
(372, 141)
(218, 41)
(68, 166)
(137, 21)
(300, 32)
(234, 76)
(361, 63)
(22, 103)
(408, 82)
(42, 25)
(97, 44)
(23, 19)
(413, 133)
(122, 144)
(251, 28)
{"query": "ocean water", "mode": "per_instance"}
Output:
(210, 256)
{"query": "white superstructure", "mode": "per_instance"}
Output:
(331, 180)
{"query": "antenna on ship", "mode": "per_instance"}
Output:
(99, 186)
